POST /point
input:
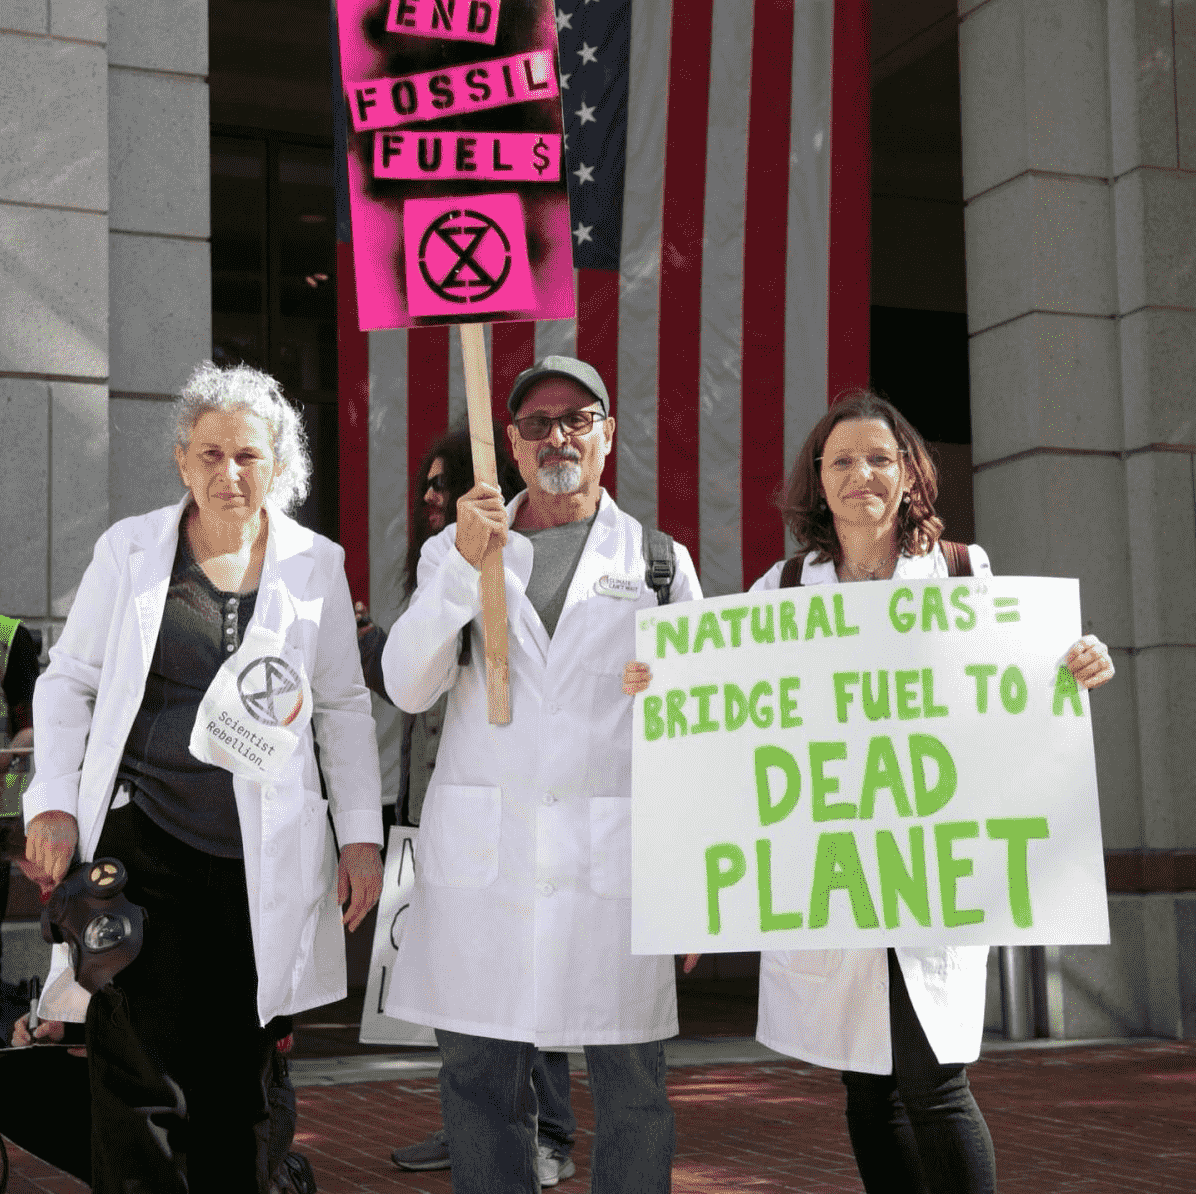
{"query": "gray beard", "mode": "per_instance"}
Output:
(560, 478)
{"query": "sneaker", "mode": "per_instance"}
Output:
(432, 1153)
(555, 1166)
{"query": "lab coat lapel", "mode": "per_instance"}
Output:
(285, 570)
(149, 574)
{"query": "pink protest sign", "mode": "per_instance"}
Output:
(466, 253)
(456, 186)
(511, 157)
(466, 20)
(386, 103)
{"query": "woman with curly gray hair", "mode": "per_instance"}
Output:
(210, 645)
(242, 388)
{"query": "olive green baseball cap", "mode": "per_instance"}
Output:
(570, 367)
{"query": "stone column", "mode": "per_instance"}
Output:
(54, 201)
(160, 274)
(1079, 148)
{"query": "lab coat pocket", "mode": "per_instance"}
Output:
(610, 846)
(810, 965)
(459, 836)
(313, 845)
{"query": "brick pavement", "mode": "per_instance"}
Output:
(1080, 1120)
(1103, 1119)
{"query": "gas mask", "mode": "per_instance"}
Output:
(100, 925)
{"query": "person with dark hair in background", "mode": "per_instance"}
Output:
(446, 473)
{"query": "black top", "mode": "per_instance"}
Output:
(20, 674)
(201, 628)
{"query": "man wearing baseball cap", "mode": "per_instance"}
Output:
(519, 931)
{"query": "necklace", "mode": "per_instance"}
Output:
(882, 570)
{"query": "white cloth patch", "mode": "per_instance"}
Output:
(256, 709)
(619, 584)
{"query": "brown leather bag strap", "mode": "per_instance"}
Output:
(791, 572)
(959, 562)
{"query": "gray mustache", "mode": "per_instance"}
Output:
(562, 454)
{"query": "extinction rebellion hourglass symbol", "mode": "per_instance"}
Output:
(476, 262)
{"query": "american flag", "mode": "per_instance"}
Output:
(595, 60)
(704, 195)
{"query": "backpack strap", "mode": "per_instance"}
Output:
(660, 563)
(959, 562)
(791, 572)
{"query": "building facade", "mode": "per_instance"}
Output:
(166, 195)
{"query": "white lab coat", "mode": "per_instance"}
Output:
(520, 924)
(831, 1006)
(85, 703)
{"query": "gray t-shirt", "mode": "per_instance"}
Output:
(557, 551)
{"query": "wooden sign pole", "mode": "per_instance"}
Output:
(485, 468)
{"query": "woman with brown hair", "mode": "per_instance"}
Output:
(901, 1023)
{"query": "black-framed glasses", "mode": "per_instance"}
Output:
(572, 422)
(437, 484)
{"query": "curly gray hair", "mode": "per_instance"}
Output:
(242, 387)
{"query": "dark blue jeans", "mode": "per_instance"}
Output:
(550, 1081)
(489, 1109)
(917, 1130)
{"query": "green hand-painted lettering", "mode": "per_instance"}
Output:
(952, 869)
(837, 868)
(770, 920)
(725, 866)
(777, 758)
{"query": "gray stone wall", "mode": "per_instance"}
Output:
(1079, 147)
(160, 273)
(54, 328)
(105, 280)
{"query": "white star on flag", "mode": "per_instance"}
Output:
(565, 82)
(586, 113)
(584, 173)
(565, 146)
(564, 20)
(587, 53)
(582, 232)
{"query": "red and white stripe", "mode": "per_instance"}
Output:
(742, 301)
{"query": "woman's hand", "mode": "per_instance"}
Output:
(480, 515)
(636, 677)
(50, 842)
(360, 875)
(1089, 662)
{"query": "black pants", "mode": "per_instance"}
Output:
(917, 1130)
(178, 1062)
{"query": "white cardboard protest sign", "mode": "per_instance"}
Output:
(852, 766)
(398, 882)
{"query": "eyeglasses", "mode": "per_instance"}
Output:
(437, 484)
(878, 462)
(572, 422)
